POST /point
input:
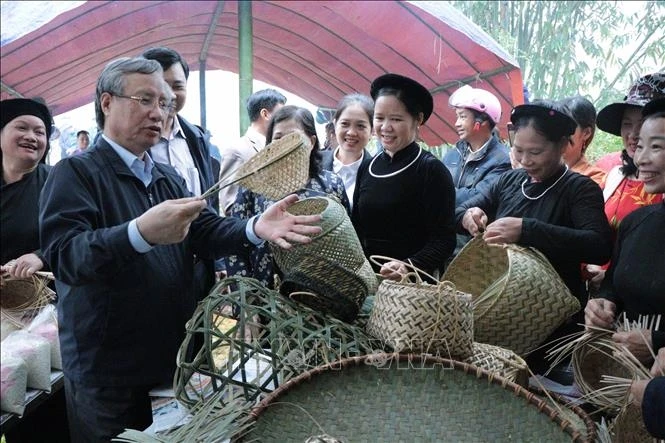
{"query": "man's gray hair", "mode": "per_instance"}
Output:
(112, 79)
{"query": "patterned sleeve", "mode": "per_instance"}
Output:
(239, 265)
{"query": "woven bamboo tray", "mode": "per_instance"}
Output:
(518, 298)
(390, 397)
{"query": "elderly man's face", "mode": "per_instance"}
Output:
(132, 125)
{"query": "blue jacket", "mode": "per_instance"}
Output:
(477, 175)
(653, 407)
(121, 313)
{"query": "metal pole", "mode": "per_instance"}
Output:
(202, 92)
(245, 60)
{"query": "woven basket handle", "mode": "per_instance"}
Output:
(414, 270)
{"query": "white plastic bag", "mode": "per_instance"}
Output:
(36, 352)
(45, 324)
(13, 382)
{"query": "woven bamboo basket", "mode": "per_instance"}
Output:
(22, 299)
(281, 168)
(497, 360)
(419, 317)
(400, 397)
(325, 286)
(245, 340)
(592, 358)
(337, 243)
(518, 298)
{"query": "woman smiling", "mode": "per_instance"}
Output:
(405, 203)
(26, 127)
(544, 205)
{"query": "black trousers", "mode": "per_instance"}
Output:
(98, 414)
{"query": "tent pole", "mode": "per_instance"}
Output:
(202, 92)
(219, 8)
(245, 60)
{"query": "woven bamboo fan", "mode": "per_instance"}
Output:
(518, 298)
(279, 169)
(245, 340)
(405, 398)
(337, 243)
(419, 317)
(21, 299)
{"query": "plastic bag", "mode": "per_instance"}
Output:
(45, 325)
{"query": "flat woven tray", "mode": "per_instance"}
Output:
(389, 397)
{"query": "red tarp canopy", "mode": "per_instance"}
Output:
(319, 50)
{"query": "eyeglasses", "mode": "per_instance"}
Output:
(149, 102)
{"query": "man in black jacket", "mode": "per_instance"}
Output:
(121, 234)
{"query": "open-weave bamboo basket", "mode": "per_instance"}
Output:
(248, 339)
(279, 169)
(419, 317)
(22, 299)
(497, 360)
(518, 298)
(400, 397)
(336, 243)
(591, 360)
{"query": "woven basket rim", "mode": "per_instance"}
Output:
(530, 397)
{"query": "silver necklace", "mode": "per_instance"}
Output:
(548, 188)
(420, 150)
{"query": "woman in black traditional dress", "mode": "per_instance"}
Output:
(406, 201)
(544, 205)
(26, 127)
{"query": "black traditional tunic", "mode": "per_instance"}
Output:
(567, 223)
(19, 215)
(635, 280)
(405, 208)
(563, 220)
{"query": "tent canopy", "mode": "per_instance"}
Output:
(319, 50)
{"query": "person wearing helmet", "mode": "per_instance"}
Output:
(478, 158)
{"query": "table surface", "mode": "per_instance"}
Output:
(33, 398)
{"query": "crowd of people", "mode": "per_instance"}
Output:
(133, 247)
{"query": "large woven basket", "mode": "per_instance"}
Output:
(21, 299)
(336, 243)
(279, 169)
(419, 317)
(518, 298)
(388, 397)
